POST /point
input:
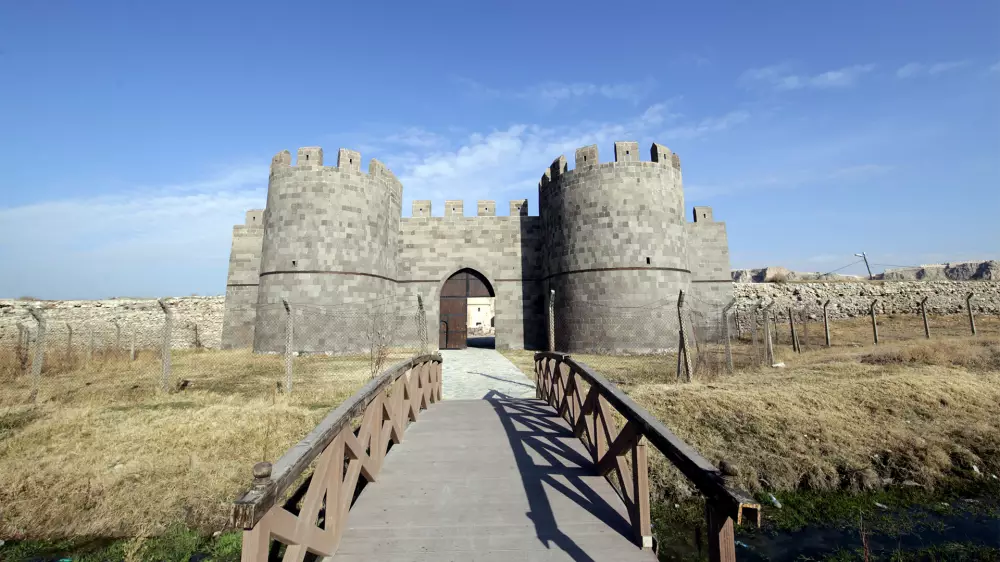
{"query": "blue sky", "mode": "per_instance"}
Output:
(134, 134)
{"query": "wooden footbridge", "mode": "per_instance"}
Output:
(552, 478)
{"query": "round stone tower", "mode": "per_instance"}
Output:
(615, 249)
(330, 244)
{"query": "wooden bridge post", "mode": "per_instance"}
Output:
(826, 322)
(721, 534)
(972, 319)
(923, 312)
(640, 494)
(874, 323)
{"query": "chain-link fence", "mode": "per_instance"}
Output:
(311, 350)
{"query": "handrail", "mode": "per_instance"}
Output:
(564, 393)
(388, 402)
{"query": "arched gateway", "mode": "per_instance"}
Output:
(453, 325)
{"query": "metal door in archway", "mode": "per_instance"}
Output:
(457, 289)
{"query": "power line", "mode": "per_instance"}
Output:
(845, 267)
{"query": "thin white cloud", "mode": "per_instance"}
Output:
(995, 67)
(509, 162)
(162, 240)
(708, 125)
(550, 93)
(782, 78)
(784, 179)
(916, 69)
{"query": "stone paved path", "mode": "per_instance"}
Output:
(470, 374)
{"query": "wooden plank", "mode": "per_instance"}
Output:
(253, 504)
(438, 499)
(626, 438)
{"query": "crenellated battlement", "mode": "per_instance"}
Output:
(455, 209)
(586, 158)
(255, 218)
(311, 157)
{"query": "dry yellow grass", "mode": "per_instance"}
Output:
(841, 418)
(104, 453)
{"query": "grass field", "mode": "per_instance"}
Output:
(104, 453)
(855, 416)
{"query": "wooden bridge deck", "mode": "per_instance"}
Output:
(489, 480)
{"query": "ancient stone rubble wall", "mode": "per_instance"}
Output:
(847, 300)
(143, 316)
(850, 299)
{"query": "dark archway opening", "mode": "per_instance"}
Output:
(454, 322)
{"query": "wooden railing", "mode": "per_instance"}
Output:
(313, 518)
(588, 401)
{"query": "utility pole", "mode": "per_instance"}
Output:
(865, 257)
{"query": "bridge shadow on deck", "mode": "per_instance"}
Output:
(550, 460)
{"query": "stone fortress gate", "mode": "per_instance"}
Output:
(610, 239)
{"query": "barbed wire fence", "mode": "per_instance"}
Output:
(45, 358)
(814, 326)
(706, 339)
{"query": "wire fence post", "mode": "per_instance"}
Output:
(754, 312)
(804, 321)
(923, 312)
(36, 363)
(874, 323)
(289, 344)
(736, 316)
(683, 355)
(552, 320)
(972, 318)
(165, 346)
(118, 338)
(768, 344)
(69, 343)
(131, 348)
(422, 325)
(23, 342)
(774, 322)
(826, 322)
(795, 337)
(90, 345)
(725, 334)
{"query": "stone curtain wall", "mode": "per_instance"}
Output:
(850, 300)
(144, 315)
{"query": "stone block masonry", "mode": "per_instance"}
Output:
(607, 234)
